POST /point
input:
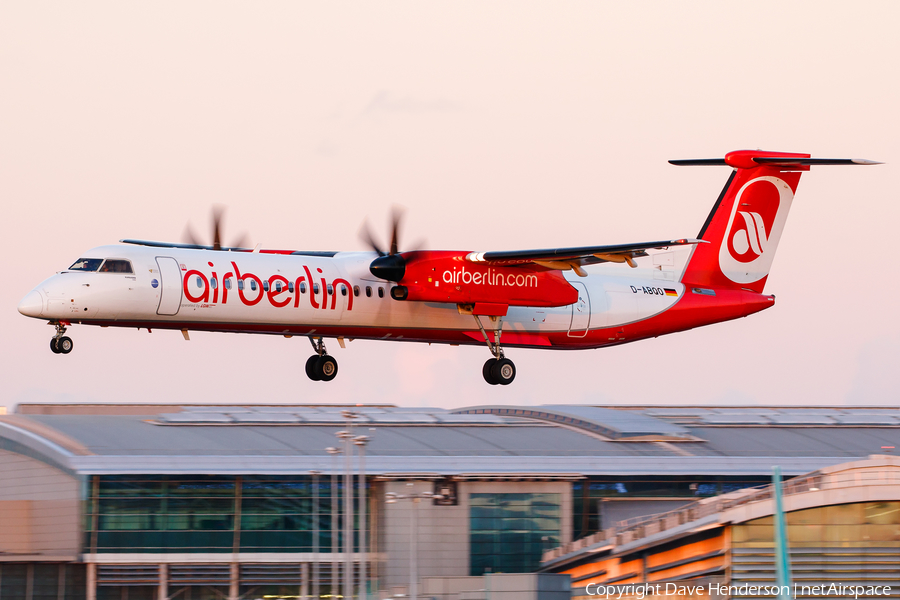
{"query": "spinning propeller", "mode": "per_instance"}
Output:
(389, 265)
(217, 212)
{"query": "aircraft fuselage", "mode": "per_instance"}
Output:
(337, 296)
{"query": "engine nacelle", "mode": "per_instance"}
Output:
(448, 277)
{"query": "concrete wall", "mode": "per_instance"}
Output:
(443, 540)
(40, 511)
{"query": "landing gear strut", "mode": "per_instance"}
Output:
(497, 370)
(320, 366)
(59, 343)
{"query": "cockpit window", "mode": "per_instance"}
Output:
(116, 266)
(86, 264)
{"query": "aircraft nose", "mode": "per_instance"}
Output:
(32, 305)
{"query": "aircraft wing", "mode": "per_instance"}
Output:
(574, 258)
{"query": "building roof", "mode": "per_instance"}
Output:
(548, 440)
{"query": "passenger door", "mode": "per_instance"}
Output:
(170, 282)
(581, 311)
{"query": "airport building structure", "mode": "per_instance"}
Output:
(133, 502)
(843, 534)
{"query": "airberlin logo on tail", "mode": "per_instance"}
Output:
(751, 238)
(754, 228)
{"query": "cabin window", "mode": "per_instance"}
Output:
(277, 286)
(343, 290)
(291, 286)
(315, 288)
(253, 285)
(266, 285)
(330, 289)
(116, 266)
(199, 282)
(368, 291)
(213, 283)
(227, 284)
(381, 292)
(356, 290)
(302, 287)
(86, 264)
(241, 284)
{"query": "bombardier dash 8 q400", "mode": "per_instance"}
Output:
(520, 299)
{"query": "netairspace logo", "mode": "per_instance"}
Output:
(640, 590)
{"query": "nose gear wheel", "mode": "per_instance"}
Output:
(60, 343)
(64, 345)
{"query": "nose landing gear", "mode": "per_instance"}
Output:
(498, 370)
(59, 343)
(320, 366)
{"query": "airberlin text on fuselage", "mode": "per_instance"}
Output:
(279, 293)
(491, 277)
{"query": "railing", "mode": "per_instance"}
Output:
(637, 528)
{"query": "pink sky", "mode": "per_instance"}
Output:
(499, 126)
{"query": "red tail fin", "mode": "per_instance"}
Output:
(747, 220)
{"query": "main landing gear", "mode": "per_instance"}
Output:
(320, 366)
(498, 370)
(59, 343)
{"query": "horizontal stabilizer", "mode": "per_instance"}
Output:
(700, 162)
(749, 159)
(763, 160)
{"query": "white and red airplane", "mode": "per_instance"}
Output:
(553, 299)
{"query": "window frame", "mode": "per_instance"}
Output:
(100, 264)
(124, 260)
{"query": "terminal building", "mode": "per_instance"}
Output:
(133, 502)
(843, 529)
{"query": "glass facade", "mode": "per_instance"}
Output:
(209, 514)
(277, 515)
(588, 494)
(508, 532)
(864, 524)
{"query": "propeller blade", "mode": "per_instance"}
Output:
(366, 235)
(396, 217)
(218, 212)
(217, 227)
(189, 236)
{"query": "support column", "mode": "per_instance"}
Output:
(234, 584)
(163, 585)
(361, 441)
(304, 585)
(29, 581)
(61, 587)
(91, 593)
(348, 517)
